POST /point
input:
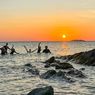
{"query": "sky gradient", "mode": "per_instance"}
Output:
(47, 20)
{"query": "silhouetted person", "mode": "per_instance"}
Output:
(6, 47)
(13, 50)
(39, 48)
(29, 50)
(46, 50)
(3, 51)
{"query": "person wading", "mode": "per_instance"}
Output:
(46, 50)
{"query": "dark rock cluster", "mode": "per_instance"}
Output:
(57, 64)
(63, 70)
(85, 58)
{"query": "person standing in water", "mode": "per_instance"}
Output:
(6, 48)
(13, 50)
(39, 48)
(46, 50)
(3, 51)
(29, 50)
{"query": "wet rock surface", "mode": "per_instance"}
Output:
(85, 58)
(63, 74)
(51, 60)
(42, 91)
(62, 70)
(31, 69)
(57, 64)
(63, 66)
(66, 69)
(48, 74)
(76, 73)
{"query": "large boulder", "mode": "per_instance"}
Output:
(31, 69)
(48, 74)
(42, 91)
(85, 58)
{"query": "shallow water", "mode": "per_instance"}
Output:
(15, 81)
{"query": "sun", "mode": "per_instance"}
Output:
(64, 36)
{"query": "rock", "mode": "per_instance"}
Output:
(85, 58)
(42, 91)
(32, 69)
(57, 75)
(51, 60)
(76, 73)
(63, 66)
(82, 69)
(47, 65)
(61, 74)
(48, 74)
(57, 64)
(28, 65)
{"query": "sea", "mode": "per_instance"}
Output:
(15, 81)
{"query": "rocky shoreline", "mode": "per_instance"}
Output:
(84, 58)
(63, 70)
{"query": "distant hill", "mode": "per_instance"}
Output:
(78, 41)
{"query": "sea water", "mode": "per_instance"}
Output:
(15, 81)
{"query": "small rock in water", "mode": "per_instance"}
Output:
(61, 74)
(76, 73)
(48, 74)
(82, 69)
(28, 65)
(47, 66)
(42, 91)
(51, 60)
(32, 69)
(63, 66)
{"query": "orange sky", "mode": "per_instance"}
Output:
(46, 24)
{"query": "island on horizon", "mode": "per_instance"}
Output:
(78, 41)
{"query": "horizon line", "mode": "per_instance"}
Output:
(50, 41)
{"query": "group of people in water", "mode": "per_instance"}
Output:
(4, 49)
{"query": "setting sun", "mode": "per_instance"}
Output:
(64, 36)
